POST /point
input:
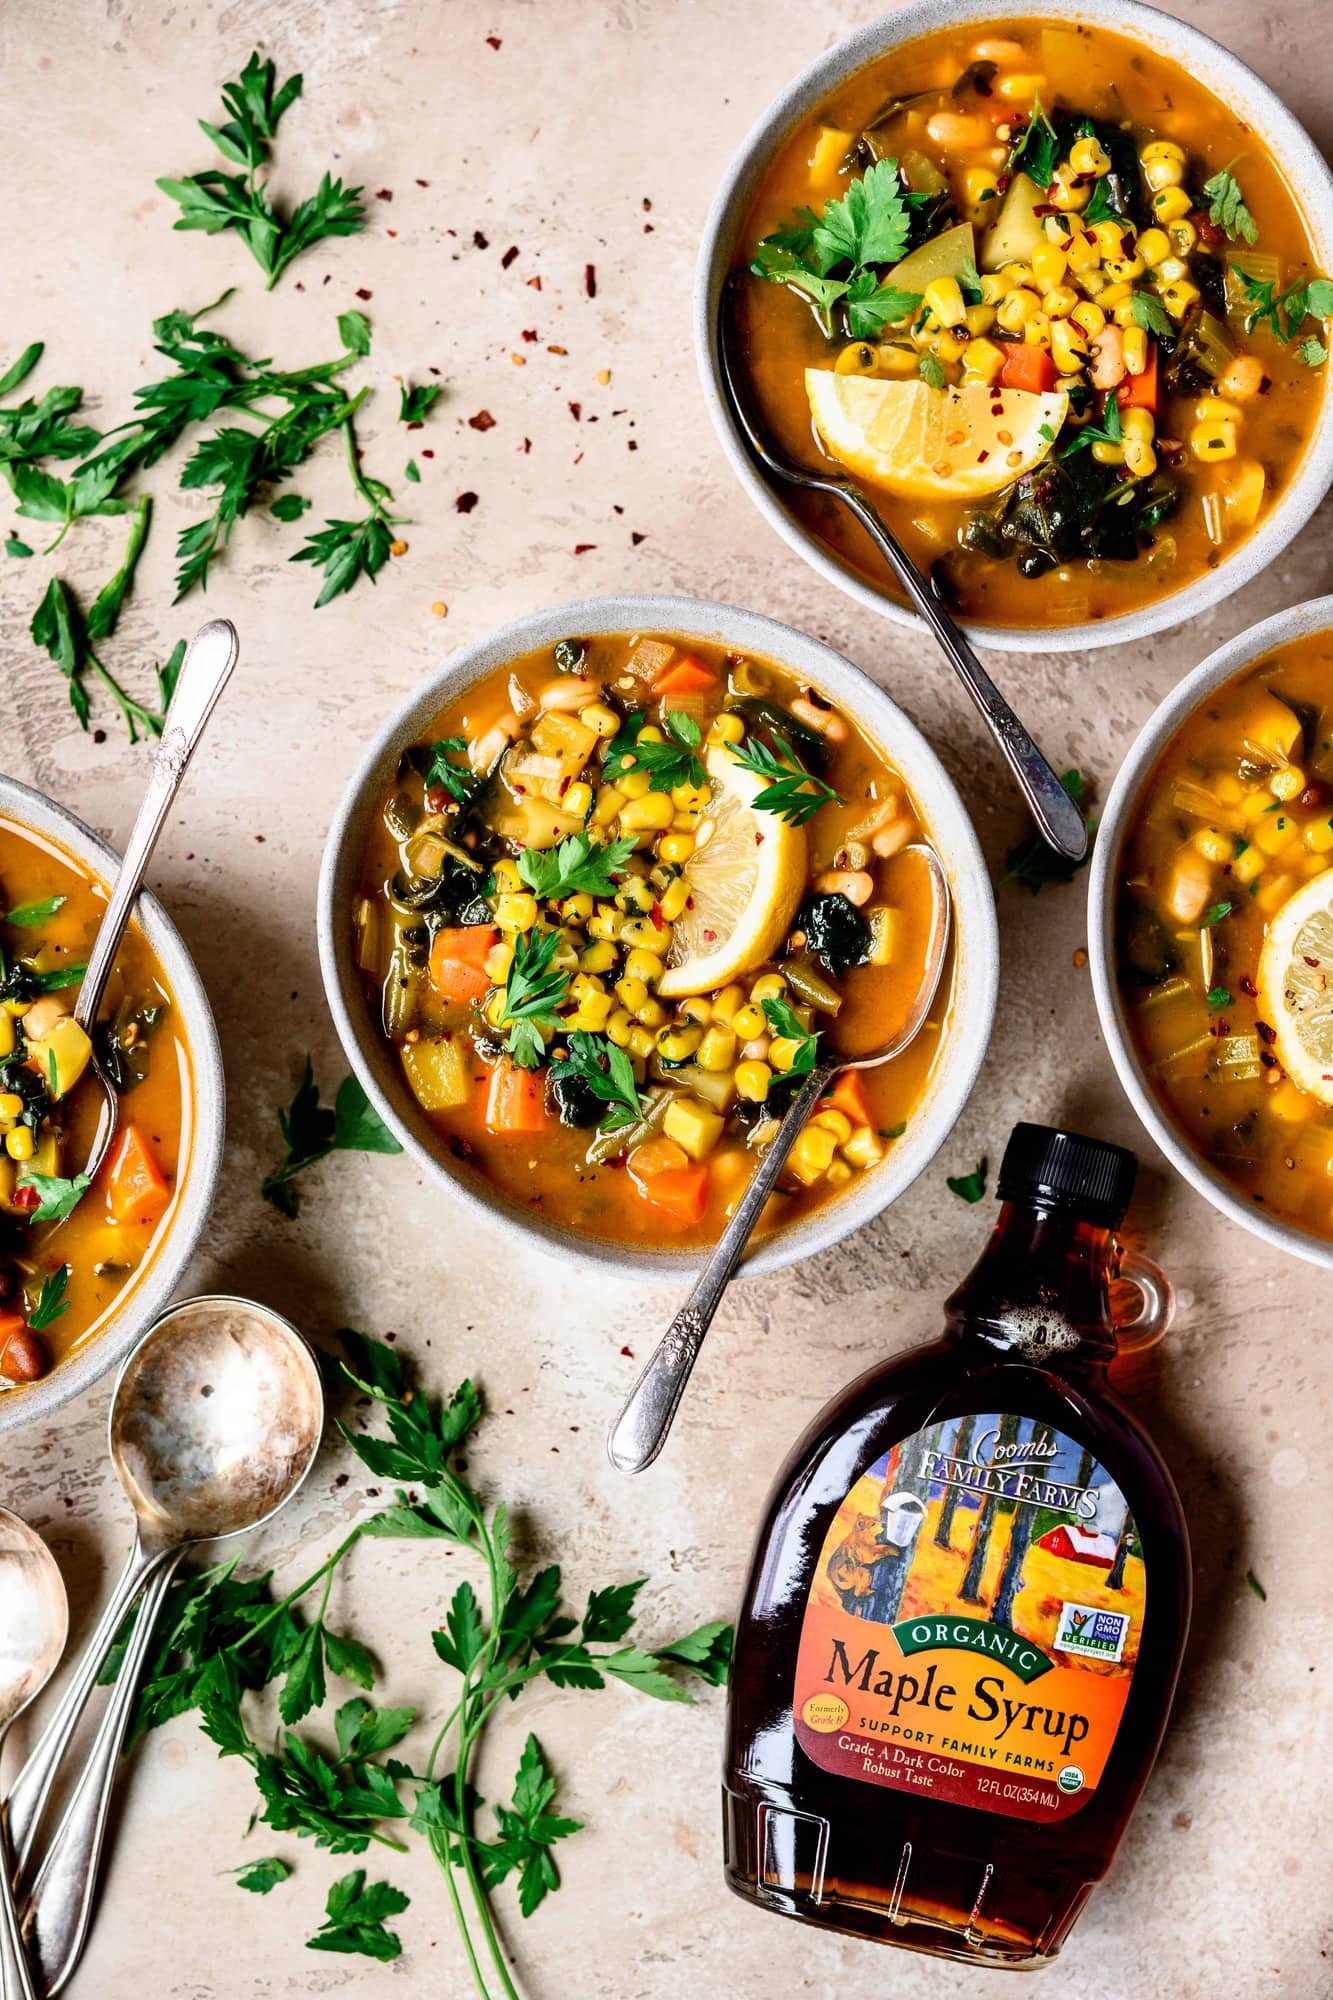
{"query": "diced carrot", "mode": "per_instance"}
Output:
(136, 1187)
(1139, 392)
(515, 1099)
(681, 1191)
(848, 1096)
(458, 962)
(687, 676)
(1027, 366)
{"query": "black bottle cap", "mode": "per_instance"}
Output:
(1085, 1177)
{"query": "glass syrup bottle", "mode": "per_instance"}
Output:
(967, 1604)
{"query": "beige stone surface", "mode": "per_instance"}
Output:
(557, 142)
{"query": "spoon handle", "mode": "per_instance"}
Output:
(15, 1976)
(61, 1903)
(1057, 817)
(641, 1429)
(31, 1788)
(204, 673)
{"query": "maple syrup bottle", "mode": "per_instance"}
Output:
(967, 1604)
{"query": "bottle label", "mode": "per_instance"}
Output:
(974, 1620)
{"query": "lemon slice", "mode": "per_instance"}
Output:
(745, 881)
(1296, 986)
(933, 444)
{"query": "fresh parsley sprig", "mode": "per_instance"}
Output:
(60, 628)
(346, 550)
(355, 1918)
(1285, 313)
(668, 764)
(214, 201)
(790, 792)
(58, 1197)
(51, 1300)
(784, 1021)
(609, 1075)
(311, 1131)
(531, 994)
(1226, 207)
(868, 228)
(460, 781)
(1150, 314)
(578, 866)
(1109, 431)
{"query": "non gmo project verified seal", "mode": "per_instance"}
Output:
(1099, 1634)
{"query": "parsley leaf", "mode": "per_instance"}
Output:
(609, 1075)
(1036, 865)
(57, 1198)
(1226, 207)
(791, 792)
(346, 550)
(931, 371)
(1312, 352)
(354, 332)
(51, 1300)
(578, 866)
(18, 371)
(870, 225)
(532, 992)
(460, 781)
(288, 506)
(31, 916)
(414, 404)
(969, 1187)
(1284, 313)
(783, 1021)
(527, 1832)
(261, 1876)
(311, 1131)
(1217, 996)
(668, 764)
(355, 1920)
(1109, 431)
(1036, 150)
(872, 306)
(1150, 313)
(1215, 914)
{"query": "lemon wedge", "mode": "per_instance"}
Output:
(1296, 986)
(933, 444)
(745, 879)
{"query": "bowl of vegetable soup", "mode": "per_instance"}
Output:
(601, 889)
(85, 1266)
(1049, 287)
(1210, 929)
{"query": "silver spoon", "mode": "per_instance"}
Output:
(214, 1424)
(1059, 820)
(34, 1624)
(204, 673)
(641, 1429)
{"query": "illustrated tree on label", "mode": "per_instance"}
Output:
(891, 1571)
(952, 1494)
(1021, 1526)
(1116, 1578)
(970, 1589)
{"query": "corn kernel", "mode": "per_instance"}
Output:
(1059, 303)
(577, 909)
(749, 1021)
(834, 1121)
(609, 801)
(1088, 315)
(577, 800)
(769, 986)
(783, 1051)
(943, 300)
(516, 913)
(507, 877)
(1274, 893)
(11, 1106)
(691, 798)
(619, 1026)
(1153, 246)
(597, 958)
(676, 847)
(858, 359)
(1274, 833)
(8, 1035)
(652, 1014)
(1135, 350)
(1084, 250)
(639, 1042)
(498, 961)
(979, 319)
(727, 1002)
(1212, 845)
(1137, 423)
(752, 1081)
(1111, 238)
(606, 922)
(697, 1008)
(1140, 458)
(838, 1174)
(676, 895)
(678, 1042)
(1213, 441)
(863, 1148)
(1111, 297)
(20, 1144)
(1037, 331)
(1087, 156)
(1319, 837)
(592, 1014)
(1067, 190)
(651, 814)
(693, 1125)
(1179, 296)
(995, 285)
(1165, 172)
(948, 346)
(1172, 204)
(1048, 265)
(631, 993)
(980, 188)
(1015, 311)
(603, 721)
(1068, 347)
(1107, 453)
(726, 728)
(982, 358)
(1288, 783)
(643, 965)
(812, 1155)
(635, 784)
(717, 1050)
(1249, 866)
(643, 931)
(1216, 409)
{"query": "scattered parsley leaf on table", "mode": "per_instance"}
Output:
(288, 506)
(261, 1876)
(1036, 865)
(414, 405)
(311, 1131)
(355, 1920)
(969, 1187)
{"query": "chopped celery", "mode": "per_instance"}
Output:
(1191, 1059)
(1260, 266)
(1237, 1058)
(609, 1145)
(1200, 803)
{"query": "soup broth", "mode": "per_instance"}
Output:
(613, 903)
(1026, 284)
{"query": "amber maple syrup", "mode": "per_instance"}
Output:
(967, 1607)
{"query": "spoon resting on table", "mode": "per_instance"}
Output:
(1058, 819)
(204, 673)
(642, 1427)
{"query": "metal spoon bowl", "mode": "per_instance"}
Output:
(1057, 817)
(34, 1624)
(214, 1424)
(642, 1427)
(204, 673)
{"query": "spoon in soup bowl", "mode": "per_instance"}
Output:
(214, 1424)
(642, 1427)
(1058, 819)
(204, 673)
(34, 1624)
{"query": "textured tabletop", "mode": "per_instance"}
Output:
(517, 146)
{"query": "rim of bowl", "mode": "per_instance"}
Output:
(1276, 128)
(197, 1183)
(976, 976)
(1296, 622)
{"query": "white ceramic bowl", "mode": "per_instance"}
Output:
(201, 1144)
(976, 949)
(1228, 661)
(1275, 130)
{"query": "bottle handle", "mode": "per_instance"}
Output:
(1157, 1307)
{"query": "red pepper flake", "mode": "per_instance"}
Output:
(492, 41)
(509, 256)
(647, 228)
(526, 445)
(25, 1197)
(628, 1352)
(1265, 1033)
(437, 798)
(659, 921)
(480, 242)
(483, 421)
(1248, 988)
(551, 349)
(536, 284)
(982, 456)
(362, 293)
(465, 503)
(529, 333)
(576, 411)
(582, 548)
(590, 280)
(423, 184)
(425, 453)
(635, 538)
(384, 194)
(710, 937)
(391, 232)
